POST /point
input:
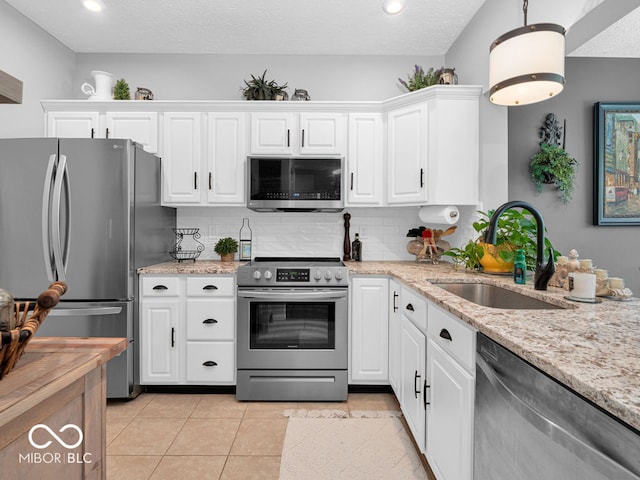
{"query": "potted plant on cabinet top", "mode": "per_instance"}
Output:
(258, 88)
(419, 79)
(226, 248)
(552, 165)
(516, 230)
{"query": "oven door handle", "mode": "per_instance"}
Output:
(293, 295)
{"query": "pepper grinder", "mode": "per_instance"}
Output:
(347, 240)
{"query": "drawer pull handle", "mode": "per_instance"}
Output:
(209, 287)
(424, 394)
(209, 363)
(395, 307)
(173, 337)
(410, 307)
(210, 320)
(415, 384)
(160, 287)
(444, 333)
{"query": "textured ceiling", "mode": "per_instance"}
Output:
(313, 27)
(303, 27)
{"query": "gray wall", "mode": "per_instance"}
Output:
(44, 65)
(220, 77)
(589, 80)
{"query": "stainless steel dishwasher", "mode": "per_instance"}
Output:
(528, 426)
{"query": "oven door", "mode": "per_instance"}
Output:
(298, 328)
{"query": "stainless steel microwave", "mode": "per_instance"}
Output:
(295, 184)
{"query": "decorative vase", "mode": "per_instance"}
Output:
(227, 258)
(104, 86)
(491, 261)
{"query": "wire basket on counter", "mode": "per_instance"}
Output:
(195, 248)
(14, 341)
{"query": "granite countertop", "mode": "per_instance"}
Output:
(592, 348)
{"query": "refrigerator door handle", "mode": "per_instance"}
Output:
(69, 312)
(46, 219)
(60, 255)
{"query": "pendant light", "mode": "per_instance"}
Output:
(526, 65)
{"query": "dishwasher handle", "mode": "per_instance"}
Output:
(597, 459)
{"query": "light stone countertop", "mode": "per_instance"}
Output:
(592, 348)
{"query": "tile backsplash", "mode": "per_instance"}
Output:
(382, 231)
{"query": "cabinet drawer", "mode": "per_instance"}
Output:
(160, 286)
(414, 307)
(211, 362)
(210, 286)
(211, 319)
(453, 336)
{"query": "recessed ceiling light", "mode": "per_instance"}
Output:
(93, 5)
(392, 7)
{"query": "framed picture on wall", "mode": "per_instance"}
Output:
(616, 190)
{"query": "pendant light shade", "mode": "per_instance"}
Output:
(526, 65)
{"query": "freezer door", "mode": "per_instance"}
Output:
(99, 319)
(25, 258)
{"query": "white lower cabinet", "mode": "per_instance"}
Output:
(187, 332)
(412, 364)
(369, 332)
(394, 336)
(451, 380)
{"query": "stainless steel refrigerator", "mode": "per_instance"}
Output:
(87, 212)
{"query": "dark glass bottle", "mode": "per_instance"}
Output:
(356, 249)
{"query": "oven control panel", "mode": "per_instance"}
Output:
(292, 275)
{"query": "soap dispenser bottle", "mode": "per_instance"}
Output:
(519, 268)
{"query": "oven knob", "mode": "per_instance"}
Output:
(257, 275)
(317, 275)
(338, 275)
(328, 275)
(267, 275)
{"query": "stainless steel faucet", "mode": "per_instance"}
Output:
(543, 271)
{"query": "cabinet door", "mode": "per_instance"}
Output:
(321, 134)
(271, 133)
(394, 336)
(181, 158)
(226, 158)
(412, 366)
(364, 159)
(449, 420)
(141, 127)
(407, 154)
(369, 331)
(73, 124)
(159, 342)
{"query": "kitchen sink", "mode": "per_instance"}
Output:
(495, 297)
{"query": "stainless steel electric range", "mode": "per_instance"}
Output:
(292, 328)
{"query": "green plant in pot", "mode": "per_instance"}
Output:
(516, 230)
(552, 165)
(121, 90)
(258, 88)
(420, 79)
(226, 247)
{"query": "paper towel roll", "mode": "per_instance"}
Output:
(439, 214)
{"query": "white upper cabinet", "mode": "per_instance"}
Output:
(141, 127)
(407, 155)
(287, 133)
(365, 155)
(226, 158)
(433, 147)
(182, 158)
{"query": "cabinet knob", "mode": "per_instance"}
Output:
(410, 307)
(209, 363)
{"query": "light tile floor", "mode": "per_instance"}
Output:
(207, 436)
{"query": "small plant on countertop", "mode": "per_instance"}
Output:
(225, 246)
(554, 166)
(516, 230)
(419, 79)
(121, 90)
